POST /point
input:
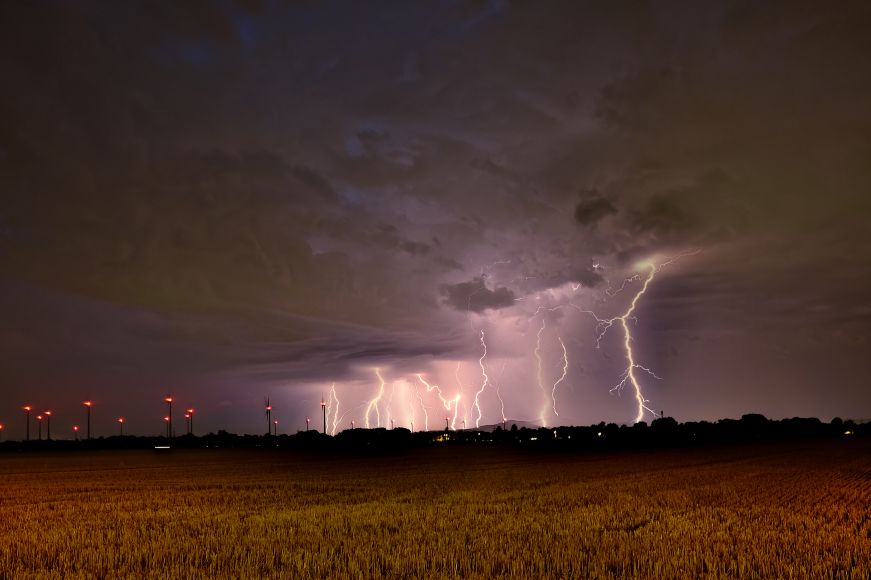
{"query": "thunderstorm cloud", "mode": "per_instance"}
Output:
(235, 199)
(475, 296)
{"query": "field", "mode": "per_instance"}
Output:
(797, 510)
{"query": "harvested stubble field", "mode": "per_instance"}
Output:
(785, 511)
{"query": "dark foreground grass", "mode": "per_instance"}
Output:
(785, 511)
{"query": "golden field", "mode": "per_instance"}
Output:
(797, 510)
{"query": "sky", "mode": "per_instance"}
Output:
(227, 201)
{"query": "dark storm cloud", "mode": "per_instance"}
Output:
(661, 215)
(474, 296)
(588, 277)
(290, 189)
(388, 235)
(592, 209)
(315, 181)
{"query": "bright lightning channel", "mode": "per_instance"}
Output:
(410, 408)
(484, 382)
(562, 376)
(446, 403)
(389, 404)
(604, 324)
(498, 390)
(460, 389)
(537, 354)
(422, 406)
(373, 403)
(334, 411)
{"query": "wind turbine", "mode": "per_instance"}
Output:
(268, 416)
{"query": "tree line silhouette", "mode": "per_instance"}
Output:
(662, 432)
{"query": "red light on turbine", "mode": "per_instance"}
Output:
(47, 413)
(168, 399)
(166, 418)
(190, 411)
(87, 403)
(39, 417)
(27, 408)
(187, 416)
(268, 407)
(75, 427)
(120, 419)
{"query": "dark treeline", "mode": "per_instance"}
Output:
(665, 432)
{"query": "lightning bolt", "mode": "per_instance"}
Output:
(485, 381)
(537, 353)
(629, 375)
(425, 413)
(447, 403)
(498, 389)
(622, 287)
(390, 402)
(562, 376)
(373, 404)
(460, 389)
(334, 411)
(410, 407)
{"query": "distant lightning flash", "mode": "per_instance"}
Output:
(539, 374)
(460, 388)
(373, 404)
(604, 324)
(447, 403)
(562, 376)
(411, 408)
(537, 353)
(425, 413)
(389, 404)
(498, 390)
(334, 410)
(484, 383)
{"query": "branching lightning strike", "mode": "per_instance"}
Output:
(425, 413)
(485, 382)
(334, 411)
(539, 375)
(604, 324)
(562, 376)
(373, 403)
(447, 403)
(498, 389)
